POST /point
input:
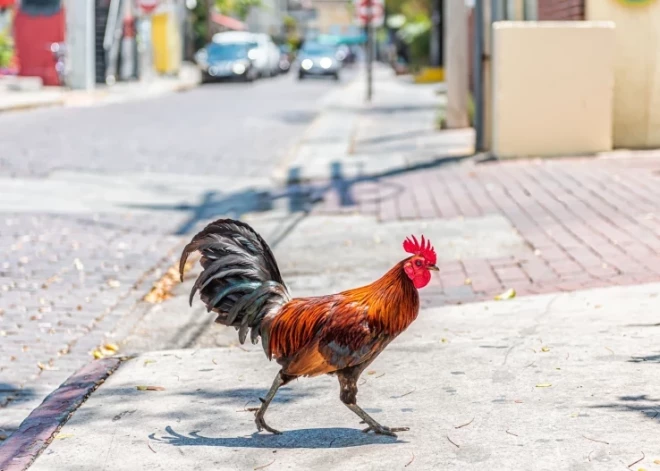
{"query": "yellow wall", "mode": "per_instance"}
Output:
(166, 43)
(331, 13)
(636, 70)
(552, 88)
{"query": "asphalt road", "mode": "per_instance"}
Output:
(68, 278)
(223, 129)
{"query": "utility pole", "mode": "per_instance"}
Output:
(368, 27)
(478, 76)
(436, 34)
(80, 44)
(210, 8)
(456, 63)
(127, 70)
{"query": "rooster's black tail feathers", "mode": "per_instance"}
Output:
(240, 280)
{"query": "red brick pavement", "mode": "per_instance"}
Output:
(588, 222)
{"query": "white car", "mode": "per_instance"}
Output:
(266, 56)
(271, 53)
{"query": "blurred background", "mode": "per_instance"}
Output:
(85, 42)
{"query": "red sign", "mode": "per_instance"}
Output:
(147, 6)
(370, 11)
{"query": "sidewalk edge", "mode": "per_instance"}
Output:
(280, 174)
(33, 105)
(39, 428)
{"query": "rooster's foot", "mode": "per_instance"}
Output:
(382, 430)
(262, 425)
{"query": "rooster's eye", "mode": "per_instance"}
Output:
(418, 263)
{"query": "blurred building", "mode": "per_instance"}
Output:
(100, 41)
(269, 18)
(332, 17)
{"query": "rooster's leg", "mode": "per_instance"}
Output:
(348, 395)
(280, 380)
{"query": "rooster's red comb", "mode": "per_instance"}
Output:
(424, 249)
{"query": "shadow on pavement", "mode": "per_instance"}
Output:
(11, 394)
(299, 196)
(314, 438)
(652, 358)
(239, 396)
(649, 407)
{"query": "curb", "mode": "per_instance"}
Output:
(30, 106)
(36, 432)
(100, 101)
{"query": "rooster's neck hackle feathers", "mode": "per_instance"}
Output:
(393, 300)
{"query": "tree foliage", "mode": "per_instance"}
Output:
(413, 10)
(415, 31)
(6, 50)
(238, 8)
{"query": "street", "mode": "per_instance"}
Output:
(207, 131)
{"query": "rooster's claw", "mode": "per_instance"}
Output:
(382, 430)
(262, 425)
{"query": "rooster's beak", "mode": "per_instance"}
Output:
(433, 268)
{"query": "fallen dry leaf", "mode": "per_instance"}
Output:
(114, 283)
(162, 288)
(508, 294)
(150, 388)
(113, 347)
(105, 350)
(468, 281)
(62, 436)
(544, 385)
(43, 367)
(656, 461)
(146, 362)
(444, 340)
(545, 349)
(96, 353)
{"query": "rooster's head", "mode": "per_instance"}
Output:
(419, 266)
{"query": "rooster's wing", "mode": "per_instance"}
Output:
(317, 336)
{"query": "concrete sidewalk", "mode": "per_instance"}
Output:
(188, 78)
(552, 382)
(395, 132)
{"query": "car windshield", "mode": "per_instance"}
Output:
(318, 50)
(229, 51)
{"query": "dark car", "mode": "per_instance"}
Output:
(227, 61)
(318, 59)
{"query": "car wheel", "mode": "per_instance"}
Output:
(301, 75)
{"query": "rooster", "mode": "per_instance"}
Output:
(340, 334)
